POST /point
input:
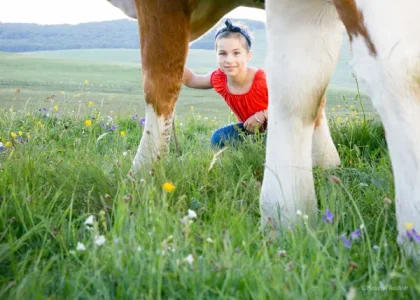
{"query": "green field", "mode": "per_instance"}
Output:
(115, 81)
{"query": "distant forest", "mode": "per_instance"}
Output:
(16, 37)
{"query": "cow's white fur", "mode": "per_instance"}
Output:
(155, 139)
(304, 39)
(393, 80)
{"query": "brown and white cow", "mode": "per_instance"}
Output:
(304, 39)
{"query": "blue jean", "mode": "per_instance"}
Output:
(230, 134)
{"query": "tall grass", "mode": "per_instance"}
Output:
(154, 245)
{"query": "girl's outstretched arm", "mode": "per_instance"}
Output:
(195, 81)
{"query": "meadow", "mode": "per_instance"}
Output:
(74, 223)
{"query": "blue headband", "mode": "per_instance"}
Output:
(231, 28)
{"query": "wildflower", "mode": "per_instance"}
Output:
(62, 92)
(387, 201)
(192, 214)
(138, 249)
(125, 153)
(8, 144)
(90, 103)
(346, 242)
(88, 123)
(339, 119)
(191, 107)
(298, 212)
(411, 233)
(86, 81)
(90, 220)
(209, 240)
(134, 117)
(355, 235)
(142, 121)
(362, 226)
(338, 106)
(122, 133)
(99, 240)
(13, 135)
(2, 147)
(80, 247)
(282, 253)
(352, 106)
(113, 128)
(376, 247)
(189, 259)
(55, 107)
(169, 187)
(305, 217)
(328, 217)
(20, 133)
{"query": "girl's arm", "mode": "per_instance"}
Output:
(195, 81)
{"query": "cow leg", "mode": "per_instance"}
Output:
(324, 153)
(164, 38)
(386, 49)
(304, 39)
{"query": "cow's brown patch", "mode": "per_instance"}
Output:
(164, 37)
(353, 19)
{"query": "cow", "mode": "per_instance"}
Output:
(304, 39)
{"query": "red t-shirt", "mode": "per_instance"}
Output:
(243, 105)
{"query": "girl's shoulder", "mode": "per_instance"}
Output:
(218, 80)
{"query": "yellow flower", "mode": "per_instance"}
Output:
(62, 92)
(20, 133)
(339, 119)
(28, 114)
(409, 226)
(199, 116)
(13, 135)
(169, 187)
(90, 103)
(351, 106)
(338, 106)
(122, 133)
(86, 81)
(55, 107)
(333, 109)
(78, 95)
(191, 107)
(8, 144)
(88, 123)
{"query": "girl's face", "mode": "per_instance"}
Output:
(232, 55)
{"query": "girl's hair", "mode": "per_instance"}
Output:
(238, 30)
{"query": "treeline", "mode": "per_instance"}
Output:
(110, 34)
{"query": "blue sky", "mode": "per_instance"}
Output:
(78, 11)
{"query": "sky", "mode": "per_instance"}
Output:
(79, 11)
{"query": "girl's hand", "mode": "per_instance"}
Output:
(252, 124)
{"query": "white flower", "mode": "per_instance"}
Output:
(80, 247)
(298, 212)
(305, 217)
(362, 226)
(1, 144)
(189, 259)
(210, 240)
(72, 252)
(138, 249)
(125, 153)
(186, 221)
(99, 240)
(191, 214)
(90, 220)
(375, 247)
(116, 241)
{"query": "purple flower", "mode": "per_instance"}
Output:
(142, 121)
(346, 242)
(113, 127)
(413, 235)
(135, 117)
(355, 235)
(328, 217)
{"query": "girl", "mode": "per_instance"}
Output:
(243, 88)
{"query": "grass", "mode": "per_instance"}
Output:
(66, 172)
